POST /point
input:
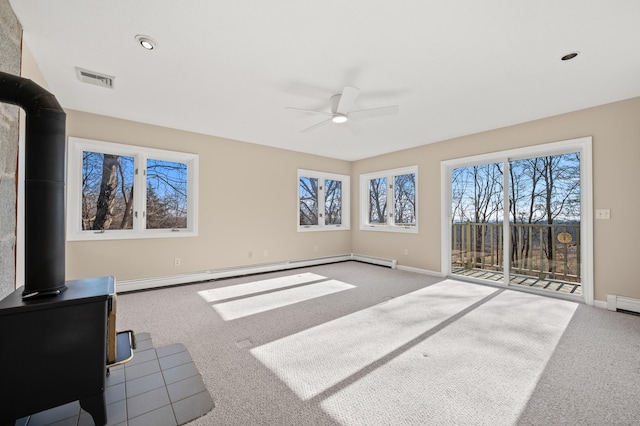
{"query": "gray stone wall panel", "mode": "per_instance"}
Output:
(10, 52)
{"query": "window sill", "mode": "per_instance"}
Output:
(385, 228)
(130, 235)
(323, 228)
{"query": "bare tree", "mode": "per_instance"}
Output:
(159, 212)
(91, 178)
(378, 200)
(405, 195)
(487, 199)
(166, 194)
(524, 179)
(487, 192)
(106, 199)
(542, 189)
(458, 191)
(560, 174)
(308, 201)
(333, 202)
(127, 216)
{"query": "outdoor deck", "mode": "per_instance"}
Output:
(522, 280)
(548, 251)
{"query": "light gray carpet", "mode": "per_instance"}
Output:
(371, 345)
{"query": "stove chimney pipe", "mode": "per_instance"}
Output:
(44, 185)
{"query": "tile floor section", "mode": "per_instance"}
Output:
(158, 387)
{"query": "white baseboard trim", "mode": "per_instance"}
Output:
(216, 274)
(193, 277)
(600, 304)
(615, 302)
(421, 271)
(391, 263)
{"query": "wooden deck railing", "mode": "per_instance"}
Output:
(537, 250)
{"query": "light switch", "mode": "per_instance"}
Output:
(603, 214)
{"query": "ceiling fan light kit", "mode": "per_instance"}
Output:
(339, 118)
(342, 110)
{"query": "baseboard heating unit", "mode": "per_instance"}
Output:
(615, 303)
(216, 274)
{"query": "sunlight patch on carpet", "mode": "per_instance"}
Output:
(239, 290)
(481, 368)
(316, 359)
(265, 302)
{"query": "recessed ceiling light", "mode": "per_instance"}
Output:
(146, 42)
(569, 56)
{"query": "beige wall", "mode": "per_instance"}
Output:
(247, 202)
(267, 179)
(615, 129)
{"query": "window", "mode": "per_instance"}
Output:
(388, 200)
(323, 200)
(123, 191)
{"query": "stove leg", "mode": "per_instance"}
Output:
(96, 406)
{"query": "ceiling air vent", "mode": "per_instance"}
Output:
(95, 78)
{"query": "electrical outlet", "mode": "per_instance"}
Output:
(315, 248)
(266, 253)
(406, 252)
(176, 261)
(603, 214)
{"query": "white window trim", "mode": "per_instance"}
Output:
(76, 146)
(346, 197)
(582, 145)
(389, 226)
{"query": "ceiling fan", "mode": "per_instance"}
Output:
(342, 111)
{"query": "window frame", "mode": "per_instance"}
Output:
(345, 201)
(389, 225)
(583, 145)
(75, 148)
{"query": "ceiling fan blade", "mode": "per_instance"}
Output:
(310, 110)
(347, 99)
(372, 112)
(315, 126)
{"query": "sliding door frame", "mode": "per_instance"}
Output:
(584, 147)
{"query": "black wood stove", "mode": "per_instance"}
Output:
(58, 337)
(56, 349)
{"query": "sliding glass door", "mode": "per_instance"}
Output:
(519, 221)
(477, 210)
(544, 222)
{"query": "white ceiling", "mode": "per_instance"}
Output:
(230, 67)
